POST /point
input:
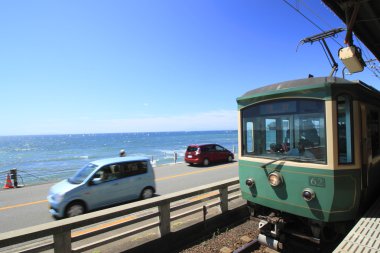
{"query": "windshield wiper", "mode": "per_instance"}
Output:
(283, 158)
(292, 158)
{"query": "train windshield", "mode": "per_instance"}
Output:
(291, 129)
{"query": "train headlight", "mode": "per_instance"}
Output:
(249, 182)
(275, 179)
(308, 194)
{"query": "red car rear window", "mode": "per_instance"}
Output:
(191, 149)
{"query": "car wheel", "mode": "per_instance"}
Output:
(55, 217)
(229, 159)
(75, 209)
(147, 193)
(206, 162)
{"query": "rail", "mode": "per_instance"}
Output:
(158, 212)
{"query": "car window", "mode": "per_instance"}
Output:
(105, 174)
(115, 170)
(205, 149)
(191, 149)
(82, 174)
(219, 148)
(212, 148)
(134, 168)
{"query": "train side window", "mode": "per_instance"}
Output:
(248, 137)
(345, 145)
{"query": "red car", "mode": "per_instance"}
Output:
(207, 153)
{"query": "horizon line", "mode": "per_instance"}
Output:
(103, 133)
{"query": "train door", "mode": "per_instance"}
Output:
(373, 150)
(370, 153)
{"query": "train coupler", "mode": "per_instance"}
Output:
(271, 225)
(270, 231)
(270, 242)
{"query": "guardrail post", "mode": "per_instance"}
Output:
(224, 199)
(164, 211)
(62, 242)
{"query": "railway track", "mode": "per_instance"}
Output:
(242, 238)
(239, 238)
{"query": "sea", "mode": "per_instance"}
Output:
(41, 159)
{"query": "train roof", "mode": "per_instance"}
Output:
(312, 87)
(300, 83)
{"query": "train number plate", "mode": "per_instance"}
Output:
(317, 181)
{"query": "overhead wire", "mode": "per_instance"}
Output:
(315, 14)
(320, 18)
(373, 68)
(294, 8)
(308, 19)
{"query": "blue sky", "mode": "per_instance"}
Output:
(88, 66)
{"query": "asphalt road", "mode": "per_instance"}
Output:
(24, 207)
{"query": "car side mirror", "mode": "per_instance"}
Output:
(95, 181)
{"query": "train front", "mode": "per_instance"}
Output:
(287, 136)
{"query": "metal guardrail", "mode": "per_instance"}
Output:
(166, 208)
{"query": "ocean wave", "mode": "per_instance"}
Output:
(22, 149)
(59, 156)
(21, 161)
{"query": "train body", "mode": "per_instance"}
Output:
(309, 153)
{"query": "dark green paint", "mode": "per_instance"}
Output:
(337, 192)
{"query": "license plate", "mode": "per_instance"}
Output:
(189, 156)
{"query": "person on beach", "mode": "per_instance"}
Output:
(122, 153)
(175, 157)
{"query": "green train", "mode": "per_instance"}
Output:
(309, 156)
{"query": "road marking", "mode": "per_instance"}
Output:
(132, 217)
(24, 204)
(158, 179)
(203, 196)
(110, 224)
(191, 173)
(105, 225)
